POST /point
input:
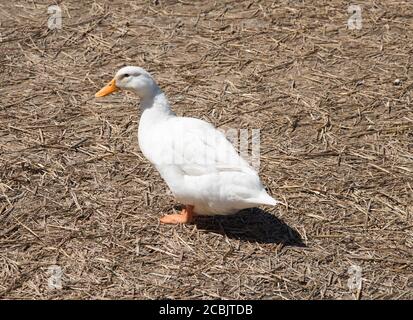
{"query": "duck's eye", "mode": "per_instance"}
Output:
(126, 75)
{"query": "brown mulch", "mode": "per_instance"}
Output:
(334, 107)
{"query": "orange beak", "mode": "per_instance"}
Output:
(108, 89)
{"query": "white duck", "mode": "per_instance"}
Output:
(198, 163)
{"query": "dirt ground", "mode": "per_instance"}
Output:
(334, 106)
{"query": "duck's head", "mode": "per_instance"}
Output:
(133, 79)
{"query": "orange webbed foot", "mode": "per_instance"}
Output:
(184, 217)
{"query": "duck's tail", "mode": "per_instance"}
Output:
(265, 199)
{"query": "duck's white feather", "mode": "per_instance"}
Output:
(198, 163)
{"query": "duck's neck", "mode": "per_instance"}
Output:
(155, 108)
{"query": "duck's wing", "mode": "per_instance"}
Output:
(198, 148)
(205, 159)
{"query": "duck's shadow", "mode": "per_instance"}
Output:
(253, 225)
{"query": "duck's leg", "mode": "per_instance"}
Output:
(184, 217)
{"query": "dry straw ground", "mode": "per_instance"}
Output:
(335, 111)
